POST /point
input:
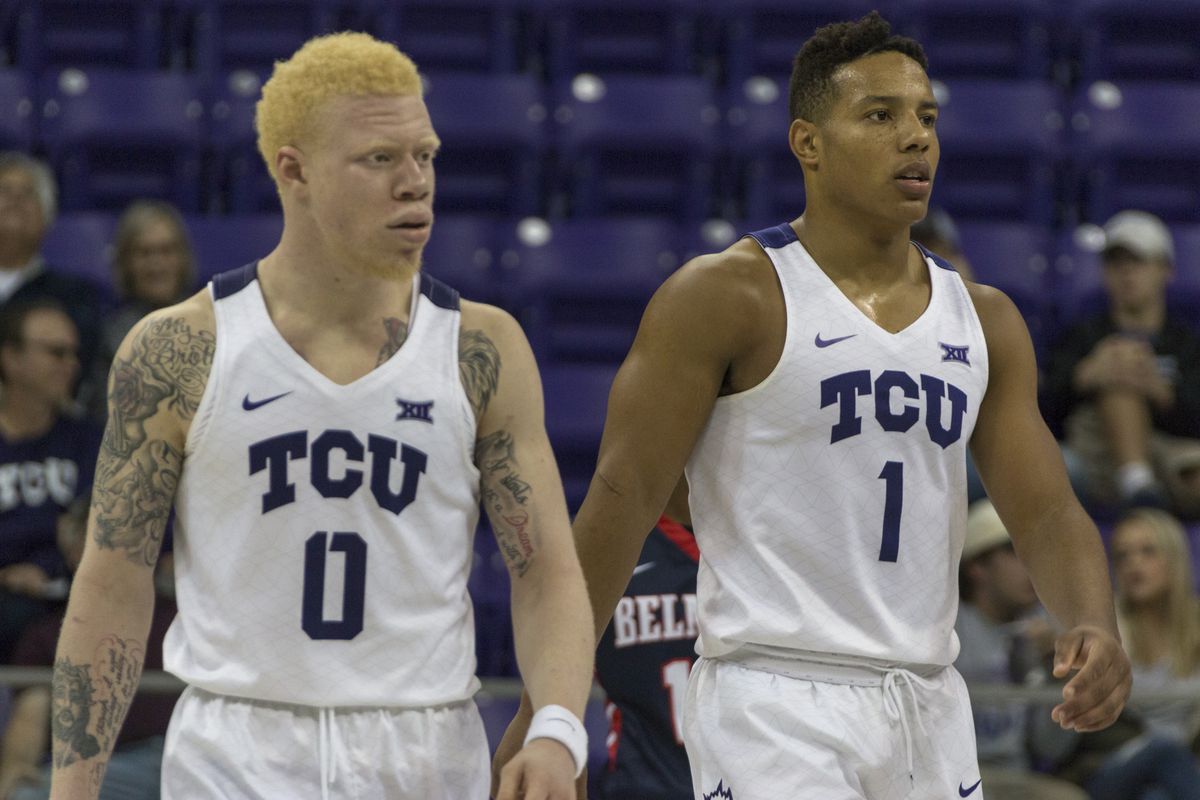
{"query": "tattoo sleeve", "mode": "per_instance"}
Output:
(136, 475)
(396, 331)
(89, 701)
(505, 498)
(479, 368)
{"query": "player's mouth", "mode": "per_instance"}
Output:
(914, 179)
(415, 227)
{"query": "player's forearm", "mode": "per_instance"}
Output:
(1066, 561)
(610, 530)
(550, 627)
(99, 661)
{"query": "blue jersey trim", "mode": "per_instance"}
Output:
(227, 284)
(941, 262)
(439, 293)
(775, 238)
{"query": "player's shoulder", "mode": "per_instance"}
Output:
(186, 320)
(729, 284)
(485, 321)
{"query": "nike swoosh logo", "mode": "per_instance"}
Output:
(819, 342)
(643, 567)
(964, 792)
(250, 405)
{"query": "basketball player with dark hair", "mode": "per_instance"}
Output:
(826, 378)
(326, 421)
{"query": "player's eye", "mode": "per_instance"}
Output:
(879, 115)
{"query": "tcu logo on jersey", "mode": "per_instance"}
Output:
(275, 453)
(894, 390)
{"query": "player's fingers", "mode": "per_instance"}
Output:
(1102, 678)
(1067, 651)
(510, 782)
(1104, 713)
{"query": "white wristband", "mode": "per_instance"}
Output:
(559, 724)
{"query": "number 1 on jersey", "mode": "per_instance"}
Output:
(893, 501)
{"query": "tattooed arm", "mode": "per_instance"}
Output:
(523, 497)
(155, 385)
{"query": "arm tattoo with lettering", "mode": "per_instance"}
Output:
(136, 477)
(505, 498)
(479, 368)
(90, 700)
(396, 331)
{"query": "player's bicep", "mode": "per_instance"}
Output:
(1017, 457)
(520, 487)
(154, 388)
(664, 392)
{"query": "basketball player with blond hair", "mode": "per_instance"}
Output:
(325, 422)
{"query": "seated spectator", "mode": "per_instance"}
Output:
(46, 458)
(1124, 384)
(153, 267)
(133, 773)
(1005, 639)
(1149, 753)
(28, 204)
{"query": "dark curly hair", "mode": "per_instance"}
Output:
(811, 88)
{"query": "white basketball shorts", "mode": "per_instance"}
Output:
(237, 749)
(753, 734)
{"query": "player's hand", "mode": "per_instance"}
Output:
(542, 770)
(1094, 697)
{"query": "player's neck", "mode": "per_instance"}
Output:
(848, 249)
(313, 286)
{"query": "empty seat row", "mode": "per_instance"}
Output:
(735, 38)
(665, 145)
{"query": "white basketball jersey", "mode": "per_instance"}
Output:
(323, 532)
(829, 501)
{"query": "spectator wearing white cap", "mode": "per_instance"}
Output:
(1005, 638)
(1124, 384)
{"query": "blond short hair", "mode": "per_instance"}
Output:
(339, 64)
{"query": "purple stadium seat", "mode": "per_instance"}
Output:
(611, 36)
(483, 36)
(253, 34)
(969, 39)
(224, 243)
(239, 182)
(763, 36)
(114, 136)
(1150, 39)
(462, 252)
(576, 402)
(637, 145)
(16, 111)
(1015, 258)
(1137, 145)
(80, 244)
(492, 129)
(1000, 145)
(765, 180)
(123, 34)
(581, 292)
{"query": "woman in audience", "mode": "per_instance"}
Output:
(153, 267)
(1159, 616)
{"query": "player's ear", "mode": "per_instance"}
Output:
(804, 138)
(289, 167)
